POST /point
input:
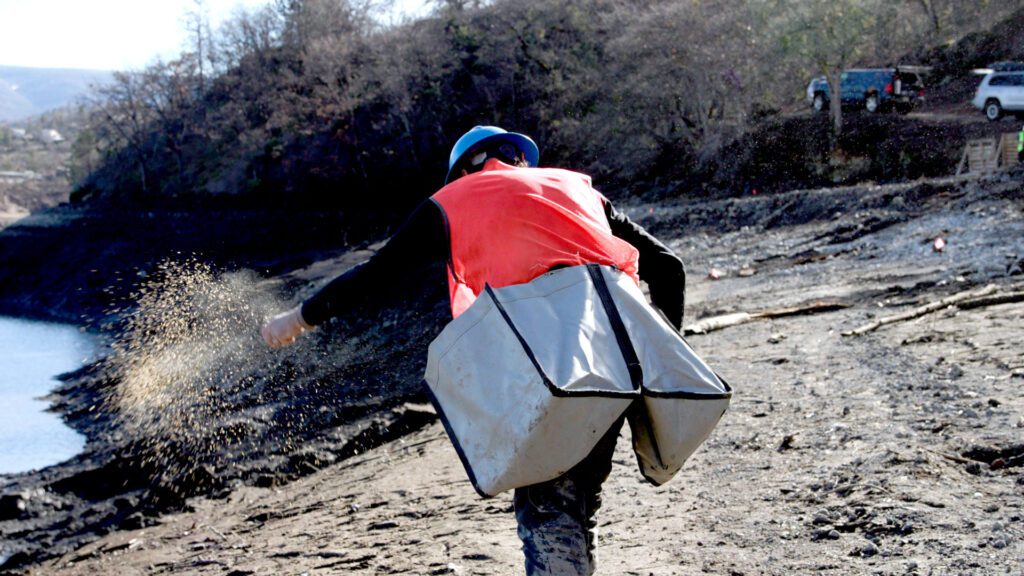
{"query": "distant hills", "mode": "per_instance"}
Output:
(25, 92)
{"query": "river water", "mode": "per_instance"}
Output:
(31, 355)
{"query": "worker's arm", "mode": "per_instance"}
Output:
(420, 241)
(659, 266)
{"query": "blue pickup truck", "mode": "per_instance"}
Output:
(872, 89)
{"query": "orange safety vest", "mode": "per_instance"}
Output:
(508, 225)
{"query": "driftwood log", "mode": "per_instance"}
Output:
(986, 296)
(713, 323)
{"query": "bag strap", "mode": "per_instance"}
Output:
(636, 373)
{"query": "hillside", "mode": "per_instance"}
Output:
(26, 92)
(13, 104)
(40, 121)
(36, 170)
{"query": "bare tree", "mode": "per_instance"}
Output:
(197, 24)
(833, 35)
(123, 117)
(248, 36)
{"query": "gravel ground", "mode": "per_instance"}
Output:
(896, 452)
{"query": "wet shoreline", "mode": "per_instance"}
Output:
(34, 354)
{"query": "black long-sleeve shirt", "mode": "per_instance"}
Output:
(423, 240)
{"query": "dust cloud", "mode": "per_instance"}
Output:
(197, 400)
(189, 357)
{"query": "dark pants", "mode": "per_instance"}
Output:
(556, 518)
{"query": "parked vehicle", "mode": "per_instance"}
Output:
(1007, 66)
(813, 88)
(1000, 92)
(873, 89)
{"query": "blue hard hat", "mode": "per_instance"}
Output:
(483, 134)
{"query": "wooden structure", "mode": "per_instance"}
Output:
(1008, 148)
(987, 155)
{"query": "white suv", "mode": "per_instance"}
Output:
(999, 92)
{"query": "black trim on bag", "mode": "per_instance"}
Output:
(455, 441)
(636, 372)
(648, 393)
(637, 414)
(626, 345)
(555, 390)
(692, 395)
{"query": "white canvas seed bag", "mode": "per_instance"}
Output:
(531, 376)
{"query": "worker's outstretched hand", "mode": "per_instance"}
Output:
(283, 329)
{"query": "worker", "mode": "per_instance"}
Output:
(1020, 145)
(513, 222)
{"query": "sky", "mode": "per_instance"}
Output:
(108, 34)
